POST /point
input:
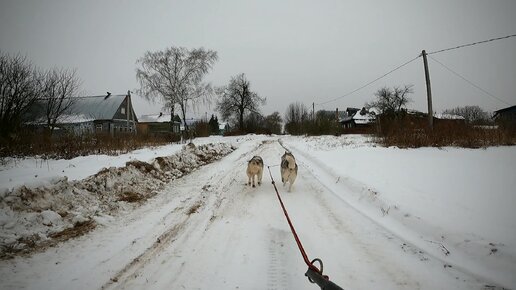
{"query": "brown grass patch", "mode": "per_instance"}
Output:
(193, 209)
(33, 243)
(161, 162)
(131, 196)
(78, 229)
(11, 250)
(102, 171)
(67, 146)
(142, 166)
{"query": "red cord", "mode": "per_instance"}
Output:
(299, 245)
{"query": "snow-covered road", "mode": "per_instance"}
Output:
(209, 230)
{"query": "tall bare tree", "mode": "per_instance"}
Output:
(391, 100)
(295, 117)
(59, 89)
(175, 75)
(237, 99)
(18, 90)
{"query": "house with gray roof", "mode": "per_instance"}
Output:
(506, 115)
(110, 114)
(158, 123)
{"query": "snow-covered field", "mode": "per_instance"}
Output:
(379, 218)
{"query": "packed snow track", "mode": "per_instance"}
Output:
(209, 230)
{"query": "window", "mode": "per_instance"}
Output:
(122, 111)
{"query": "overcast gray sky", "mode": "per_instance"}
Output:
(306, 51)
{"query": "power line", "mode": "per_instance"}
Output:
(471, 44)
(471, 83)
(384, 75)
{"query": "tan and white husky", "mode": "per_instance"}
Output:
(255, 168)
(288, 169)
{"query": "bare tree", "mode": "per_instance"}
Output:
(273, 123)
(295, 117)
(237, 99)
(18, 90)
(391, 100)
(254, 123)
(472, 114)
(59, 89)
(193, 95)
(175, 75)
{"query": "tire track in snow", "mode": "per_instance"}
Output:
(278, 276)
(339, 226)
(374, 257)
(220, 181)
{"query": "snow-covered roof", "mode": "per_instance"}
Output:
(98, 107)
(364, 117)
(155, 118)
(63, 119)
(448, 116)
(70, 119)
(83, 109)
(222, 126)
(374, 110)
(346, 119)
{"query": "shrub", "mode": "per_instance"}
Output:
(68, 146)
(411, 131)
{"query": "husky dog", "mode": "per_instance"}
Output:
(288, 169)
(255, 168)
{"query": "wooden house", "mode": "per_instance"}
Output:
(109, 114)
(158, 123)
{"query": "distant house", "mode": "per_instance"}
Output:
(506, 115)
(223, 128)
(448, 119)
(350, 111)
(358, 118)
(158, 123)
(191, 122)
(110, 114)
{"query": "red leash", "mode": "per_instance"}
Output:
(314, 274)
(299, 245)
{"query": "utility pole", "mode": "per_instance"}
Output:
(313, 112)
(428, 92)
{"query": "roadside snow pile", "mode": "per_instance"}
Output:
(39, 217)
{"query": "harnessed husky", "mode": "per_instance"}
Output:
(288, 169)
(255, 168)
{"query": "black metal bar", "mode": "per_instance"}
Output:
(321, 280)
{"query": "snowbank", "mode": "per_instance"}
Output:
(455, 203)
(37, 216)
